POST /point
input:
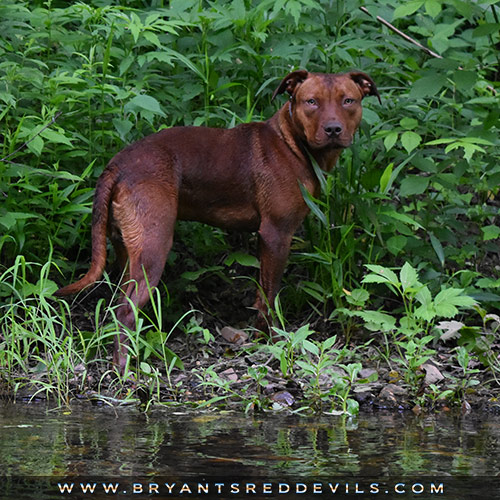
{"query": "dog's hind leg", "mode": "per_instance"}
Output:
(274, 247)
(146, 218)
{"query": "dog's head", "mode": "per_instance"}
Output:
(326, 108)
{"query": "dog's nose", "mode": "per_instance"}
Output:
(333, 129)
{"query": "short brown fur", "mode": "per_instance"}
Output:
(247, 178)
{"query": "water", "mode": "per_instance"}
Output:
(438, 456)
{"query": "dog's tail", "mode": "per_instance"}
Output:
(100, 214)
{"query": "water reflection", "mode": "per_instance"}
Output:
(99, 441)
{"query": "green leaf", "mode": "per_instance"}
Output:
(448, 300)
(43, 287)
(410, 140)
(490, 232)
(438, 248)
(468, 140)
(283, 363)
(328, 343)
(54, 136)
(396, 172)
(432, 8)
(395, 244)
(123, 127)
(469, 144)
(9, 219)
(390, 139)
(463, 358)
(427, 86)
(413, 185)
(242, 258)
(485, 29)
(385, 177)
(36, 145)
(424, 296)
(352, 406)
(375, 278)
(407, 8)
(358, 297)
(145, 102)
(408, 123)
(408, 276)
(301, 334)
(401, 217)
(194, 275)
(145, 368)
(312, 203)
(310, 347)
(152, 38)
(465, 80)
(469, 149)
(306, 366)
(380, 275)
(425, 312)
(377, 320)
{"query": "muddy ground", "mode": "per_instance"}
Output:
(216, 374)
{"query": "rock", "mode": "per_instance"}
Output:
(432, 374)
(367, 373)
(284, 398)
(392, 395)
(229, 374)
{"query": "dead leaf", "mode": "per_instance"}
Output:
(450, 329)
(492, 317)
(234, 335)
(466, 407)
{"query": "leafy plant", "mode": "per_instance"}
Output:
(287, 349)
(412, 333)
(321, 362)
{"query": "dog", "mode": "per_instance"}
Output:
(245, 178)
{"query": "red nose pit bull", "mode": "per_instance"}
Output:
(245, 178)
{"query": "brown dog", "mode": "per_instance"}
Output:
(247, 178)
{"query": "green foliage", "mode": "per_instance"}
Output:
(43, 352)
(286, 350)
(420, 309)
(118, 73)
(31, 344)
(410, 328)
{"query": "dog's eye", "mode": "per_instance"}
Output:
(348, 101)
(312, 102)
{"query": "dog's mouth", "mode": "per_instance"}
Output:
(338, 142)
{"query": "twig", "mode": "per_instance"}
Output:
(404, 35)
(54, 118)
(414, 42)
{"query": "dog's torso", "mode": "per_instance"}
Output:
(224, 177)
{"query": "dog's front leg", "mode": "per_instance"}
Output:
(274, 247)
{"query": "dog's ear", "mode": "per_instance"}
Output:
(290, 82)
(365, 83)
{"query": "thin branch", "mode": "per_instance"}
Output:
(403, 35)
(54, 118)
(414, 42)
